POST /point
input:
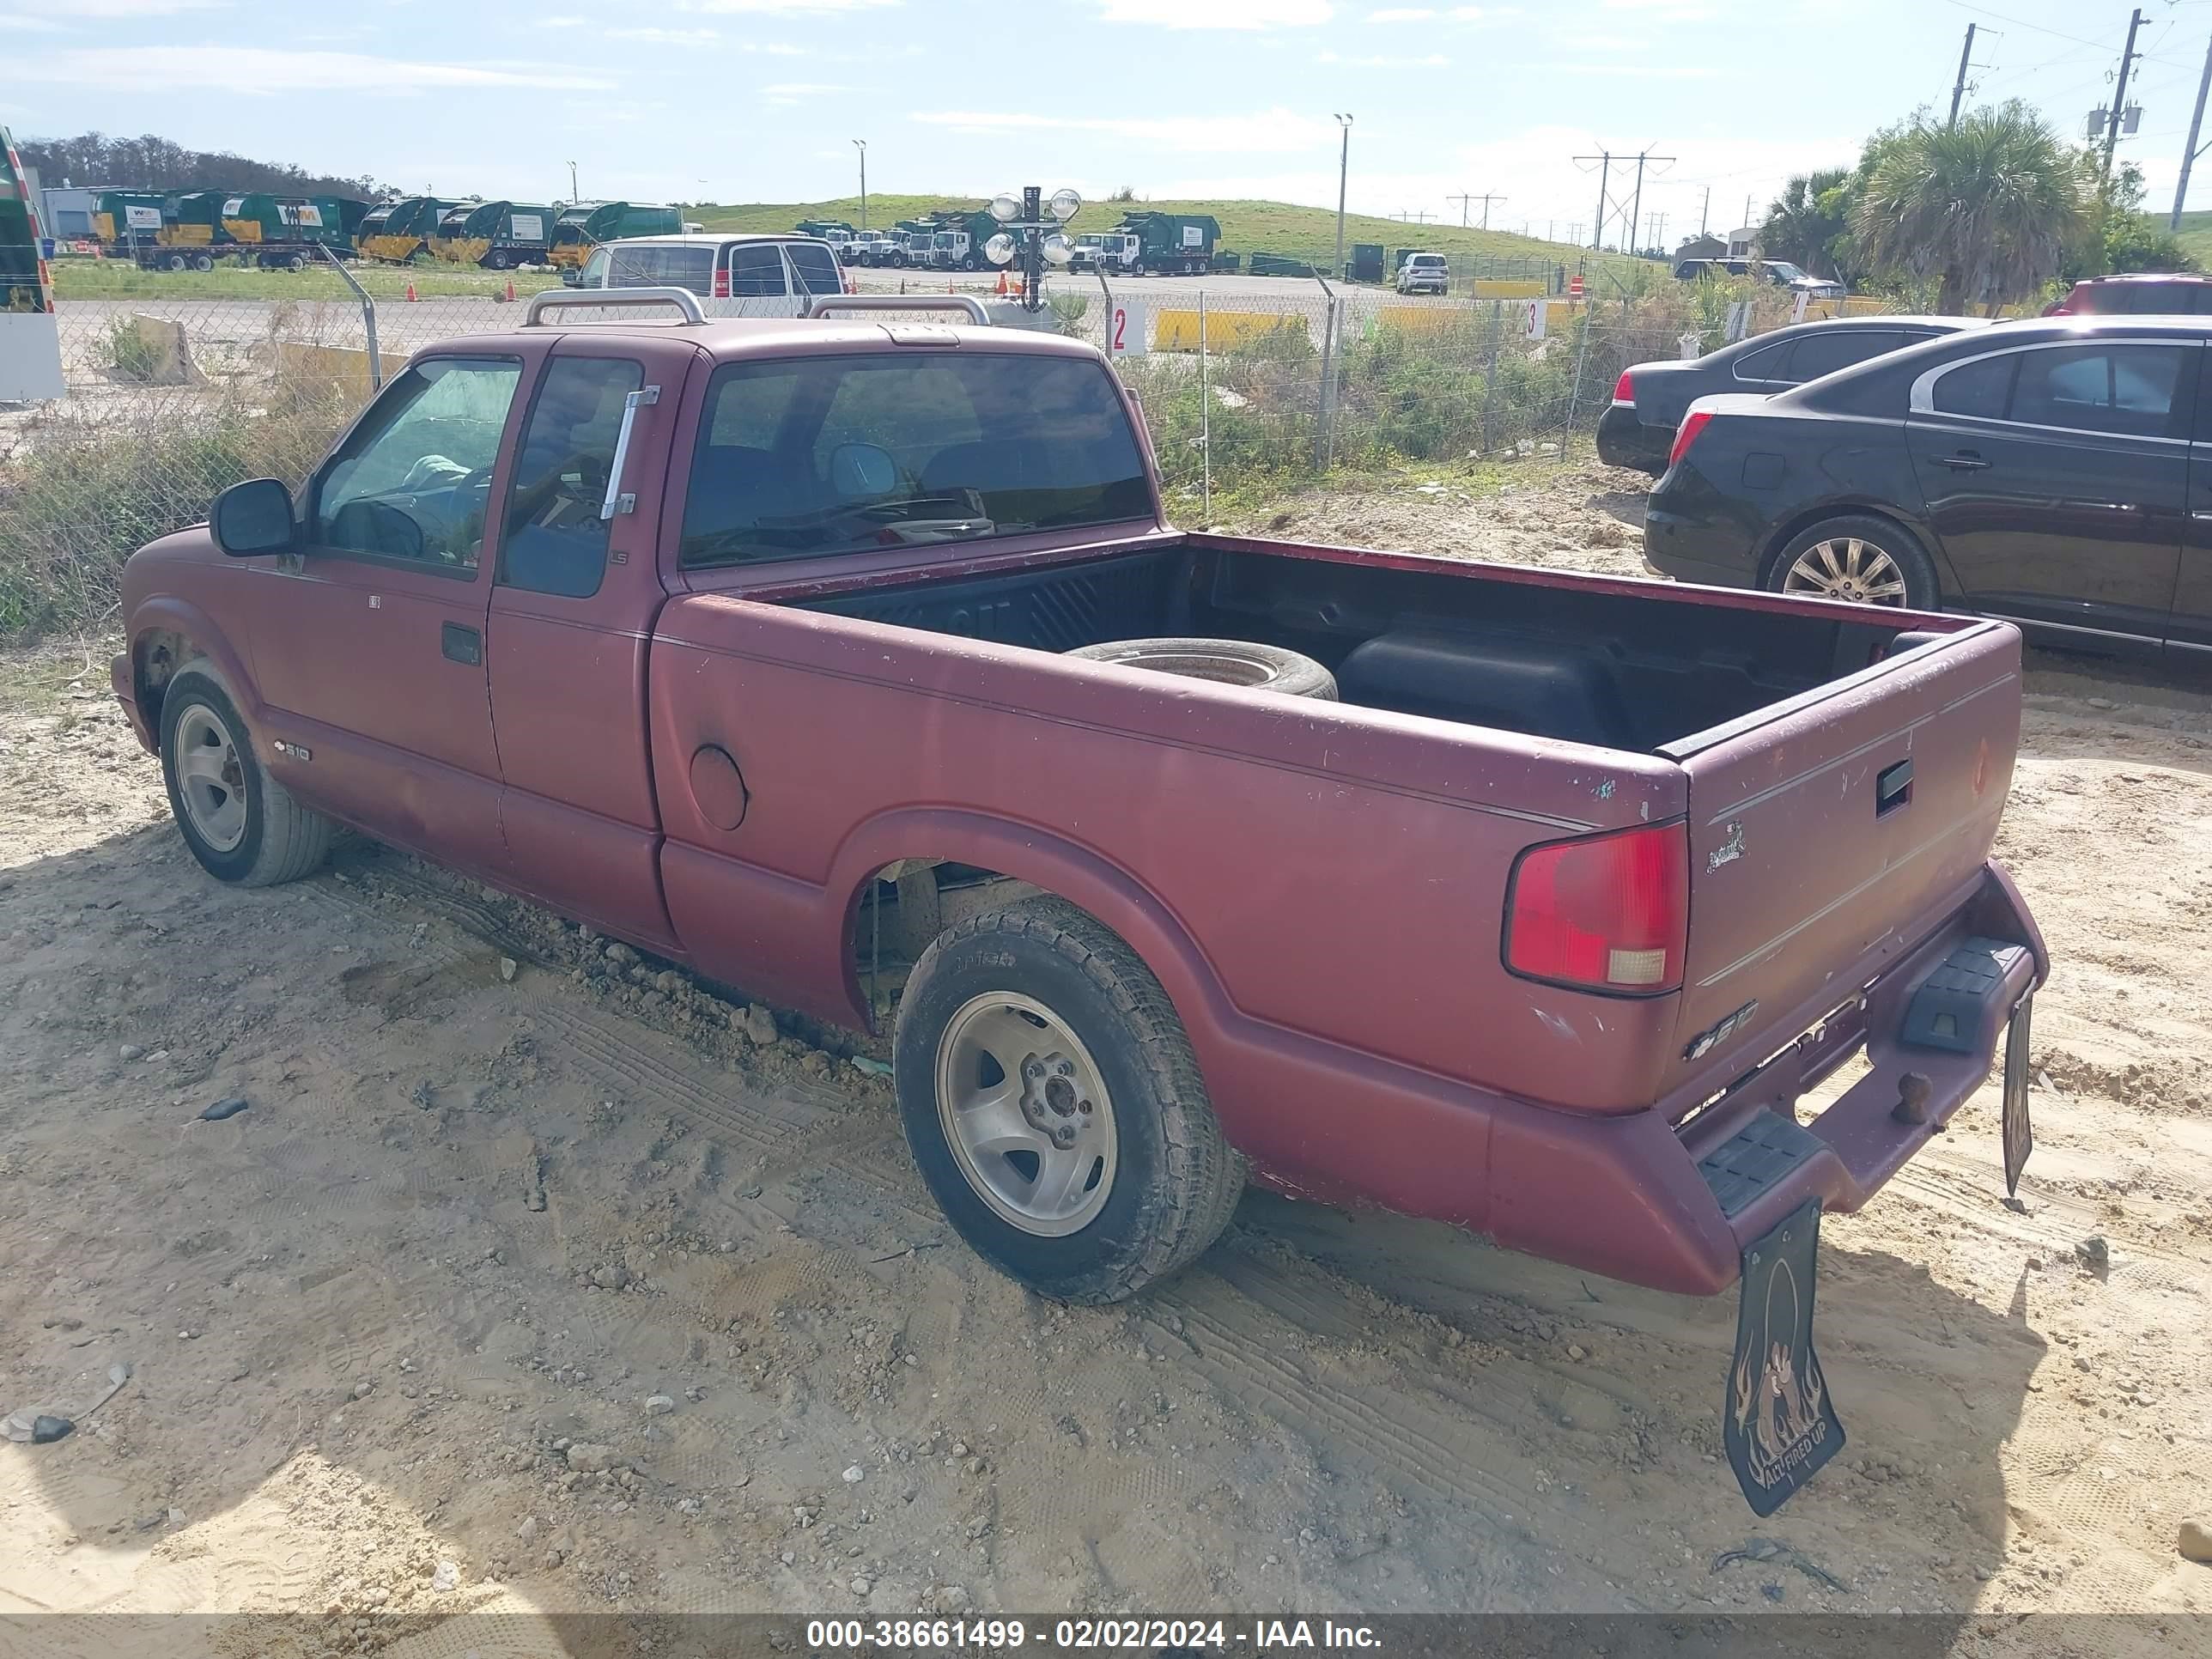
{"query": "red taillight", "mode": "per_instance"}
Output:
(1687, 433)
(722, 284)
(1624, 389)
(1605, 912)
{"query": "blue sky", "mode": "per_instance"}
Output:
(759, 99)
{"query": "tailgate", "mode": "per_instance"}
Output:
(1824, 828)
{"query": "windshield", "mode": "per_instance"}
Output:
(946, 239)
(825, 455)
(1788, 272)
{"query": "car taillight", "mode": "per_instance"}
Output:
(1607, 912)
(722, 284)
(1687, 433)
(1624, 389)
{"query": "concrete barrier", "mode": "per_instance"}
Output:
(342, 366)
(1177, 330)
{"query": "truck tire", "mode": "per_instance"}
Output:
(176, 262)
(1227, 662)
(1137, 268)
(1859, 558)
(242, 825)
(203, 262)
(1086, 1163)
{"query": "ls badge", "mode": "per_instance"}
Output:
(1779, 1426)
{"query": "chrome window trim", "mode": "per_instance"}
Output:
(1922, 400)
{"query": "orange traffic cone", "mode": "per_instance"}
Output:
(410, 294)
(1002, 285)
(510, 292)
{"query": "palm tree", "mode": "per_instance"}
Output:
(1805, 222)
(1987, 207)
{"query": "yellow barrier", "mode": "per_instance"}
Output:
(1503, 289)
(1177, 330)
(342, 366)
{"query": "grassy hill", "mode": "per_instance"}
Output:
(1247, 227)
(2195, 235)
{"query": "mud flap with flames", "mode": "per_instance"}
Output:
(1779, 1423)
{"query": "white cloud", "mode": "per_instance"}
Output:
(667, 37)
(1634, 71)
(263, 70)
(1443, 15)
(1664, 11)
(795, 92)
(1217, 14)
(1266, 132)
(784, 7)
(1433, 60)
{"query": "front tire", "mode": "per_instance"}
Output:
(1055, 1108)
(1858, 559)
(243, 826)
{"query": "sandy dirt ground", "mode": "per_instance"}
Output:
(533, 1282)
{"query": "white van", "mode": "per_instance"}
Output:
(733, 276)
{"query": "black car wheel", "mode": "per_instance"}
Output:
(1860, 559)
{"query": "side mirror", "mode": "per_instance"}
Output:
(253, 517)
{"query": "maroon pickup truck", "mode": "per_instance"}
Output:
(1529, 902)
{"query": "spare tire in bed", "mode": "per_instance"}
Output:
(1226, 662)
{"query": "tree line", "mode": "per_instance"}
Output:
(1987, 211)
(151, 163)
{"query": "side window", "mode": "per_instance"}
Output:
(1979, 390)
(638, 267)
(1767, 363)
(816, 268)
(1819, 354)
(555, 540)
(411, 481)
(594, 273)
(756, 269)
(689, 267)
(2126, 390)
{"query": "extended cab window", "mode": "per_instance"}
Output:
(822, 455)
(1767, 363)
(411, 481)
(555, 540)
(1977, 389)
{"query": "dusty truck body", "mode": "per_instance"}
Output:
(1537, 915)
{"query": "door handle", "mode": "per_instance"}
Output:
(1965, 461)
(460, 644)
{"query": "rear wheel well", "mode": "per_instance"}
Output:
(903, 905)
(1790, 529)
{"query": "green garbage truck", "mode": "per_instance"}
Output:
(1172, 244)
(582, 227)
(496, 235)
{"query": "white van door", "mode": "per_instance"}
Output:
(758, 284)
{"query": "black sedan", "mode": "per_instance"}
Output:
(1649, 400)
(2056, 473)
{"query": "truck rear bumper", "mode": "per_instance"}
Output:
(1642, 1199)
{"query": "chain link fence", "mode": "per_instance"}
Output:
(1248, 387)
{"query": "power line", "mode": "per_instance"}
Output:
(1464, 198)
(1608, 205)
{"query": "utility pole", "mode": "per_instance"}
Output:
(2120, 93)
(1706, 213)
(573, 197)
(1463, 199)
(2190, 152)
(1343, 173)
(1606, 204)
(1637, 203)
(862, 145)
(1958, 86)
(1604, 170)
(1654, 231)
